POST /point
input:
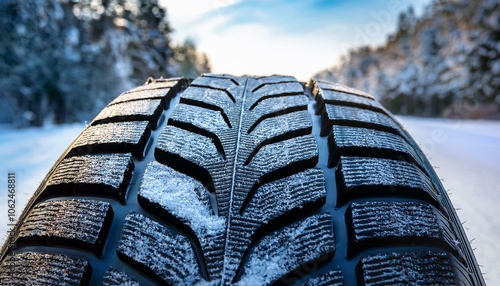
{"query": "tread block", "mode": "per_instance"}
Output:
(276, 198)
(162, 94)
(75, 223)
(358, 117)
(187, 204)
(100, 175)
(213, 82)
(210, 120)
(274, 126)
(282, 252)
(272, 80)
(302, 152)
(325, 96)
(341, 88)
(120, 137)
(139, 110)
(115, 277)
(31, 268)
(181, 196)
(174, 83)
(273, 90)
(190, 153)
(366, 177)
(277, 129)
(235, 79)
(214, 97)
(154, 249)
(408, 268)
(377, 223)
(275, 79)
(331, 278)
(357, 141)
(197, 149)
(277, 106)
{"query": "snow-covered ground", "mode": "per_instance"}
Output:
(29, 153)
(466, 154)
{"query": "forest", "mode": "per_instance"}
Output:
(63, 61)
(445, 63)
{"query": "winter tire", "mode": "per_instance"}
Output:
(228, 180)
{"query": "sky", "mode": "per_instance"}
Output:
(291, 37)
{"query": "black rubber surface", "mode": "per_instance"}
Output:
(241, 180)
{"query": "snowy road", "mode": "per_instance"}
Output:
(467, 154)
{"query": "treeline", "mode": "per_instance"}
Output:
(63, 61)
(444, 63)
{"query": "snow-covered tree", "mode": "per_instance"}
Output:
(446, 62)
(64, 60)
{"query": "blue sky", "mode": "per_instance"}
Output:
(295, 37)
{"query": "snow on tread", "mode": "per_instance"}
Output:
(114, 277)
(195, 148)
(281, 252)
(148, 245)
(331, 278)
(177, 192)
(77, 223)
(347, 140)
(408, 268)
(31, 268)
(187, 200)
(99, 175)
(138, 110)
(121, 137)
(377, 223)
(364, 176)
(353, 116)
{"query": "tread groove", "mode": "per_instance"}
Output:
(215, 88)
(275, 114)
(186, 167)
(221, 77)
(277, 174)
(271, 83)
(195, 129)
(282, 137)
(207, 106)
(273, 96)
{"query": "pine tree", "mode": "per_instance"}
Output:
(63, 61)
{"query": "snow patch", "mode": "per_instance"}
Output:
(183, 197)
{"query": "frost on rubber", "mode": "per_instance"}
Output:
(240, 180)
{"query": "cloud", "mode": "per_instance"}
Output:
(281, 36)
